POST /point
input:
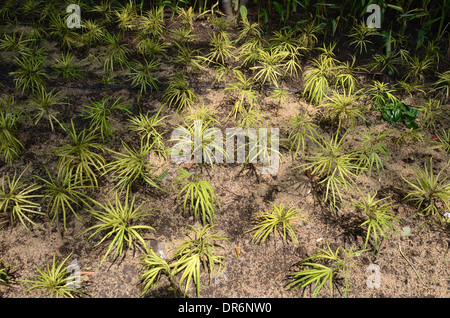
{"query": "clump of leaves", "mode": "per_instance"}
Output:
(432, 110)
(146, 127)
(327, 266)
(132, 166)
(301, 129)
(100, 116)
(198, 195)
(399, 112)
(333, 165)
(30, 74)
(280, 219)
(10, 145)
(45, 102)
(429, 192)
(442, 85)
(78, 156)
(442, 141)
(64, 195)
(380, 221)
(246, 96)
(178, 93)
(54, 281)
(119, 223)
(342, 109)
(142, 76)
(196, 253)
(190, 258)
(66, 68)
(373, 146)
(17, 200)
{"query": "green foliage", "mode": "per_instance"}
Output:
(442, 85)
(189, 58)
(178, 94)
(44, 102)
(196, 253)
(442, 141)
(17, 200)
(399, 112)
(78, 158)
(327, 266)
(100, 116)
(152, 23)
(432, 110)
(359, 36)
(380, 221)
(429, 193)
(66, 38)
(301, 129)
(381, 93)
(373, 146)
(246, 96)
(142, 76)
(334, 165)
(5, 274)
(270, 66)
(10, 145)
(63, 195)
(154, 268)
(93, 32)
(54, 281)
(198, 194)
(279, 219)
(146, 127)
(30, 75)
(116, 52)
(342, 109)
(66, 68)
(132, 166)
(417, 68)
(119, 223)
(221, 48)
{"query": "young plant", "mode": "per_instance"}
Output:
(246, 96)
(270, 66)
(142, 76)
(152, 23)
(189, 58)
(199, 195)
(154, 268)
(66, 38)
(427, 190)
(280, 219)
(66, 68)
(45, 102)
(327, 266)
(10, 145)
(122, 223)
(381, 94)
(78, 158)
(196, 253)
(64, 195)
(399, 112)
(359, 36)
(116, 52)
(342, 109)
(54, 281)
(316, 78)
(301, 129)
(16, 199)
(442, 85)
(179, 94)
(373, 145)
(221, 48)
(432, 110)
(150, 48)
(30, 75)
(380, 221)
(132, 166)
(100, 116)
(93, 32)
(442, 141)
(146, 127)
(418, 67)
(333, 165)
